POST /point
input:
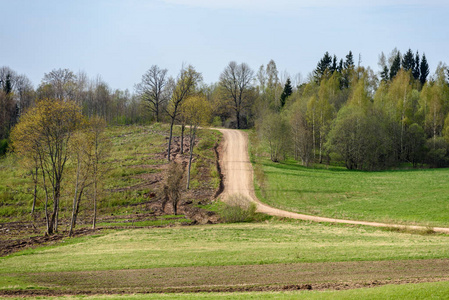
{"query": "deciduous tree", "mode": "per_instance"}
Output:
(45, 132)
(236, 80)
(152, 90)
(184, 88)
(197, 112)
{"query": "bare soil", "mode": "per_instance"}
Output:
(273, 277)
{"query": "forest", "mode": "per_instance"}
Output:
(342, 113)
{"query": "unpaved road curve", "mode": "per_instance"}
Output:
(238, 179)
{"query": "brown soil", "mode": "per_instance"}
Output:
(273, 277)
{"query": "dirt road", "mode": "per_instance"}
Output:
(238, 179)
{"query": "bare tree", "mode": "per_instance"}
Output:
(185, 87)
(152, 89)
(236, 81)
(63, 83)
(172, 187)
(25, 93)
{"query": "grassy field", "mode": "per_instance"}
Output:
(267, 254)
(401, 196)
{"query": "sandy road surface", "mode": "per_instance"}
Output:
(238, 179)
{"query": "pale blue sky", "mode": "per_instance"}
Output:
(119, 40)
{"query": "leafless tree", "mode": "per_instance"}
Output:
(25, 93)
(152, 89)
(63, 83)
(236, 81)
(172, 186)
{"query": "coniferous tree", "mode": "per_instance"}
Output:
(288, 90)
(424, 69)
(324, 64)
(334, 64)
(395, 66)
(7, 88)
(384, 74)
(408, 61)
(349, 63)
(416, 72)
(348, 70)
(340, 66)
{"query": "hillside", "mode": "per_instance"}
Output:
(131, 196)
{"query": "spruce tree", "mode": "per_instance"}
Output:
(424, 69)
(7, 88)
(324, 64)
(349, 63)
(396, 66)
(384, 74)
(408, 61)
(288, 90)
(416, 72)
(334, 64)
(347, 71)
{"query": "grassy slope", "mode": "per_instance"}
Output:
(240, 244)
(134, 153)
(406, 196)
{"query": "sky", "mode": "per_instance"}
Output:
(119, 40)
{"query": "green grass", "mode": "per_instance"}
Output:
(432, 290)
(134, 154)
(398, 196)
(233, 244)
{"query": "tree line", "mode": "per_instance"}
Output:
(243, 98)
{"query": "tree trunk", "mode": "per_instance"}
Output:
(192, 144)
(238, 119)
(75, 197)
(169, 139)
(95, 203)
(35, 190)
(182, 138)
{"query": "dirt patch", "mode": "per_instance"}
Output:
(273, 277)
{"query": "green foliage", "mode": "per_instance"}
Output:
(396, 66)
(424, 70)
(288, 90)
(362, 138)
(4, 143)
(237, 209)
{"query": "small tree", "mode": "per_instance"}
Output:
(288, 90)
(100, 150)
(89, 148)
(275, 130)
(196, 111)
(172, 186)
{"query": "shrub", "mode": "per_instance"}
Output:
(3, 146)
(236, 209)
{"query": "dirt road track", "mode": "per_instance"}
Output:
(238, 179)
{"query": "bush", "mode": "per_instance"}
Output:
(3, 146)
(237, 209)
